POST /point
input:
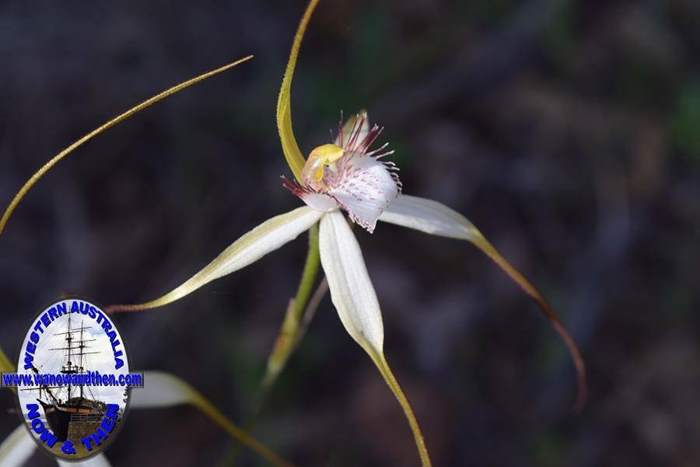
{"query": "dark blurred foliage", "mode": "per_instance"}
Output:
(569, 132)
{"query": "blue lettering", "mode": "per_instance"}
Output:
(87, 442)
(45, 319)
(108, 424)
(38, 426)
(47, 437)
(68, 448)
(33, 411)
(100, 316)
(28, 361)
(112, 411)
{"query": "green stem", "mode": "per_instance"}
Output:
(308, 276)
(288, 335)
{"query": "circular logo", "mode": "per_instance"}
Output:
(73, 379)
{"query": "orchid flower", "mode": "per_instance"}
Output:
(348, 176)
(160, 390)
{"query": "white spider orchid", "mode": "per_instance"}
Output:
(348, 176)
(345, 176)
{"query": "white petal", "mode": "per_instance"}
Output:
(161, 390)
(17, 448)
(430, 217)
(265, 238)
(319, 201)
(352, 292)
(364, 188)
(98, 461)
(349, 126)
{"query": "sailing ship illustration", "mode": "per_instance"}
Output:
(72, 411)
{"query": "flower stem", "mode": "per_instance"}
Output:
(308, 276)
(288, 337)
(296, 321)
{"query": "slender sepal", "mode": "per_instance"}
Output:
(353, 296)
(118, 119)
(437, 219)
(352, 291)
(265, 238)
(291, 150)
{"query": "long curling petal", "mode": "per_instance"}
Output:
(265, 238)
(291, 150)
(353, 296)
(437, 219)
(119, 118)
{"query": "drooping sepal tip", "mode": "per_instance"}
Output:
(435, 218)
(575, 353)
(355, 300)
(391, 381)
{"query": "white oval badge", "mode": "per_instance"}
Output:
(73, 379)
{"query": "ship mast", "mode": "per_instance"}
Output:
(70, 368)
(43, 388)
(82, 346)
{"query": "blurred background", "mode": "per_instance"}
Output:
(568, 131)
